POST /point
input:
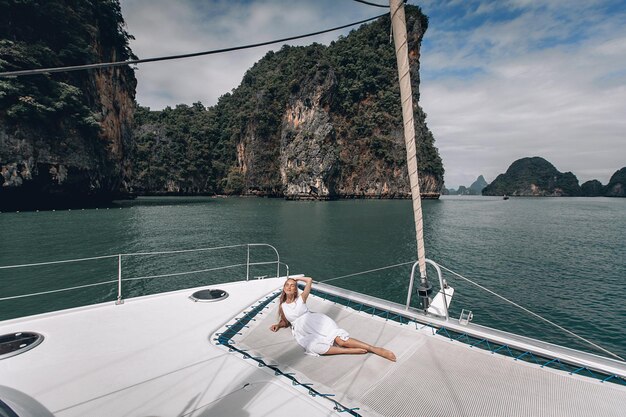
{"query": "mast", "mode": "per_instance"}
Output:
(398, 24)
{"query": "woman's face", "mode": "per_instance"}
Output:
(290, 287)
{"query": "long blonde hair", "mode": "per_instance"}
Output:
(283, 298)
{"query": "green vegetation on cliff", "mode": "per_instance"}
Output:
(316, 121)
(592, 188)
(54, 33)
(475, 189)
(192, 149)
(172, 144)
(617, 184)
(533, 177)
(301, 116)
(65, 136)
(536, 177)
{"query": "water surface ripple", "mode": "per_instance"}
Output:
(562, 258)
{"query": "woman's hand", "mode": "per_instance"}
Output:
(307, 287)
(274, 327)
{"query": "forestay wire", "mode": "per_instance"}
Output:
(490, 292)
(532, 313)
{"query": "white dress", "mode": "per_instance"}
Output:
(315, 332)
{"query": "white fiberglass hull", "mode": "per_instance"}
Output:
(158, 356)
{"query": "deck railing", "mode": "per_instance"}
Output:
(442, 286)
(125, 256)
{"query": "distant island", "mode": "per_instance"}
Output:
(536, 177)
(475, 189)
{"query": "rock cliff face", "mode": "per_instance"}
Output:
(592, 188)
(308, 158)
(617, 184)
(475, 189)
(534, 177)
(319, 122)
(64, 138)
(478, 185)
(326, 151)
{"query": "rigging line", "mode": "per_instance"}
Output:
(375, 4)
(367, 272)
(172, 57)
(371, 4)
(534, 314)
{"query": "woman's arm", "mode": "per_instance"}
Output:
(282, 323)
(307, 288)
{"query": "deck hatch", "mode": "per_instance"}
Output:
(209, 295)
(15, 343)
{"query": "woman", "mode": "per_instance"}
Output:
(317, 333)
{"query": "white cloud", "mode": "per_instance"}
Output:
(541, 90)
(500, 80)
(164, 27)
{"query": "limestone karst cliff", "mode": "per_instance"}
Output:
(313, 122)
(591, 188)
(534, 177)
(65, 138)
(617, 184)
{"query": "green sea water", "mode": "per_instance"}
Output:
(562, 258)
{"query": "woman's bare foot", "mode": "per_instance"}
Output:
(384, 353)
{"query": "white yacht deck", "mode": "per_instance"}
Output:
(156, 356)
(151, 356)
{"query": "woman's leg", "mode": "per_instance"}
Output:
(355, 343)
(338, 350)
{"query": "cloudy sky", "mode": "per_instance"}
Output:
(501, 80)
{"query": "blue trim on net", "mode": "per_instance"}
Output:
(484, 344)
(225, 339)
